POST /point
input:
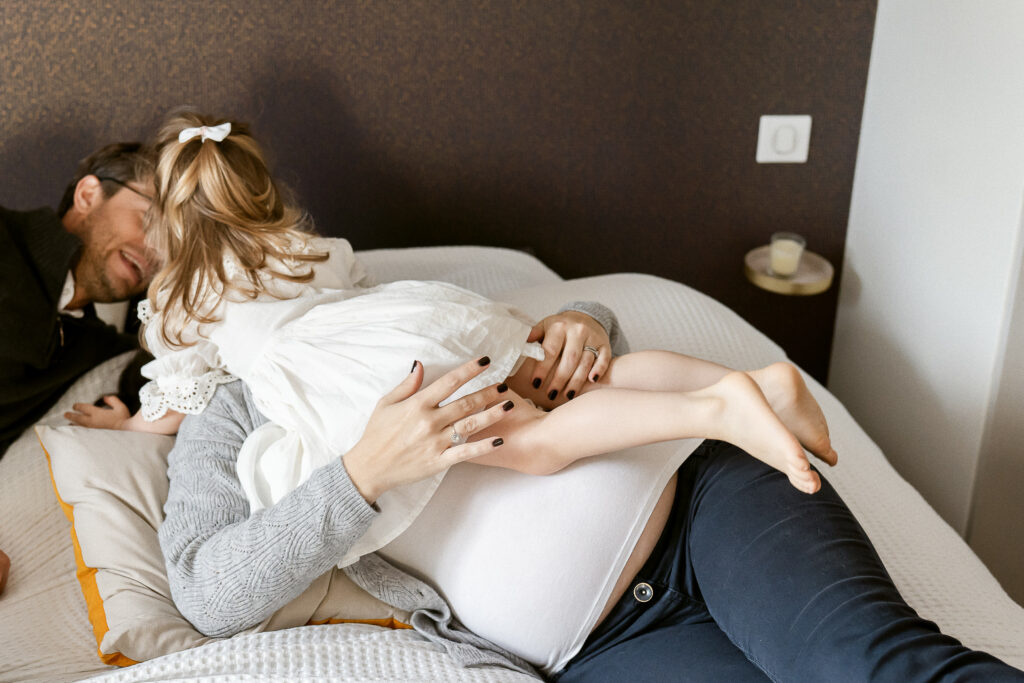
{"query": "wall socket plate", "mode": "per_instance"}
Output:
(783, 139)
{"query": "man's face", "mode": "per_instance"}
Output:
(115, 264)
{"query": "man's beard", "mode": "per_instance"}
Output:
(93, 267)
(97, 283)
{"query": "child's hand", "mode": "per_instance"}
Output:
(117, 416)
(97, 417)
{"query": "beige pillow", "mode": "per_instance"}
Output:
(112, 486)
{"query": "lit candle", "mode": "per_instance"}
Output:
(787, 248)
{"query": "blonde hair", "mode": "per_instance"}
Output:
(218, 200)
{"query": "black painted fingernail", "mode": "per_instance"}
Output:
(486, 360)
(569, 394)
(413, 366)
(502, 388)
(597, 377)
(497, 442)
(507, 405)
(552, 394)
(536, 382)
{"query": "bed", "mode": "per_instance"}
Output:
(45, 630)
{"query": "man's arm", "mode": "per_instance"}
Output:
(229, 571)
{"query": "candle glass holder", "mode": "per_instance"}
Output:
(786, 250)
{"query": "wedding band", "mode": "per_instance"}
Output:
(457, 439)
(593, 351)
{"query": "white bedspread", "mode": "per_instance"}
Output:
(332, 652)
(45, 634)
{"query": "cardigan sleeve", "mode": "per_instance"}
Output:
(228, 570)
(606, 318)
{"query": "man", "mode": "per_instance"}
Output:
(54, 266)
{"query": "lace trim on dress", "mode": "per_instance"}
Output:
(184, 394)
(144, 311)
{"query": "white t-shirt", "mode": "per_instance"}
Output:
(529, 562)
(66, 295)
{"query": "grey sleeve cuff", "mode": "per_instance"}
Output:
(606, 317)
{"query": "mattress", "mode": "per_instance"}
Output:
(45, 633)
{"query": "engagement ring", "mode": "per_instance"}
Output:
(457, 439)
(593, 351)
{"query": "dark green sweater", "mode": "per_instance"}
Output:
(41, 352)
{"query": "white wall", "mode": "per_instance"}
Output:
(933, 237)
(996, 528)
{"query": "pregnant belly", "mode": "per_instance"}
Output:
(644, 546)
(531, 563)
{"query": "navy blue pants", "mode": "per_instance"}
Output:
(753, 581)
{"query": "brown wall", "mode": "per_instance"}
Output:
(604, 135)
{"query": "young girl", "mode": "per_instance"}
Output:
(246, 291)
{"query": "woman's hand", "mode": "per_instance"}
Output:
(117, 416)
(409, 438)
(568, 364)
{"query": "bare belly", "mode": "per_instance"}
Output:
(644, 545)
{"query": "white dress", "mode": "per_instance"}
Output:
(317, 357)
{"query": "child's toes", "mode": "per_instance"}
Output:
(798, 462)
(805, 480)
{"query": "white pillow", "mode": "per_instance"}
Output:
(485, 270)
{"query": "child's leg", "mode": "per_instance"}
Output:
(781, 384)
(732, 409)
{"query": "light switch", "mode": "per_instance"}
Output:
(783, 139)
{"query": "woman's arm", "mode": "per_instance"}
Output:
(229, 571)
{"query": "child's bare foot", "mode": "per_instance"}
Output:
(792, 401)
(748, 421)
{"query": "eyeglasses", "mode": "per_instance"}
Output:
(125, 185)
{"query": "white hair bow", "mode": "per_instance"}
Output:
(215, 133)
